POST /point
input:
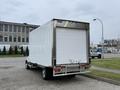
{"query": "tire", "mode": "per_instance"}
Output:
(99, 56)
(26, 65)
(47, 73)
(93, 57)
(44, 74)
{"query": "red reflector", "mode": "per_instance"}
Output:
(57, 69)
(83, 65)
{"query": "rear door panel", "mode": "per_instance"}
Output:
(71, 46)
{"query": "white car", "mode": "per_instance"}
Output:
(95, 53)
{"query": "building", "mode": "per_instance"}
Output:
(112, 45)
(15, 33)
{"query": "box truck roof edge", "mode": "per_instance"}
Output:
(70, 20)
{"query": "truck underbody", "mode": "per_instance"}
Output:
(59, 70)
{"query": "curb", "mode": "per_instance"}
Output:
(102, 79)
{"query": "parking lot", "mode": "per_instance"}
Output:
(13, 76)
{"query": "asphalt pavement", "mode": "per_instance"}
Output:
(111, 55)
(13, 76)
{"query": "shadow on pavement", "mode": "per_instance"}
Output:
(65, 79)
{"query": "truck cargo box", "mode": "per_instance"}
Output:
(60, 47)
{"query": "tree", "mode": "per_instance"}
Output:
(16, 50)
(10, 50)
(27, 51)
(4, 50)
(22, 51)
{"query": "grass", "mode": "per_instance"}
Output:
(104, 74)
(4, 56)
(113, 63)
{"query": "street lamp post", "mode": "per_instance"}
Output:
(102, 38)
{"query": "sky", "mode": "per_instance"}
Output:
(40, 11)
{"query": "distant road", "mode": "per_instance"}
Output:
(111, 55)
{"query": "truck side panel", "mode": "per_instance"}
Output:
(41, 45)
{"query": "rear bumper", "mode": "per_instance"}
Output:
(75, 73)
(73, 69)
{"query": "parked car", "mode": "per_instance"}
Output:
(95, 53)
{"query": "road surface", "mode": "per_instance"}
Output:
(13, 76)
(110, 55)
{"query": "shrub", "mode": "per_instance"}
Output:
(16, 50)
(10, 50)
(0, 52)
(4, 50)
(22, 51)
(27, 51)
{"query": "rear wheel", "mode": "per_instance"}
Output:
(99, 56)
(93, 57)
(44, 74)
(47, 73)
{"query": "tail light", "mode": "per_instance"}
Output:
(58, 69)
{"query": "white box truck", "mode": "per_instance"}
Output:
(60, 47)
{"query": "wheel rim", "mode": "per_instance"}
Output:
(43, 74)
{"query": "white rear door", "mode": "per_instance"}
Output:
(71, 46)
